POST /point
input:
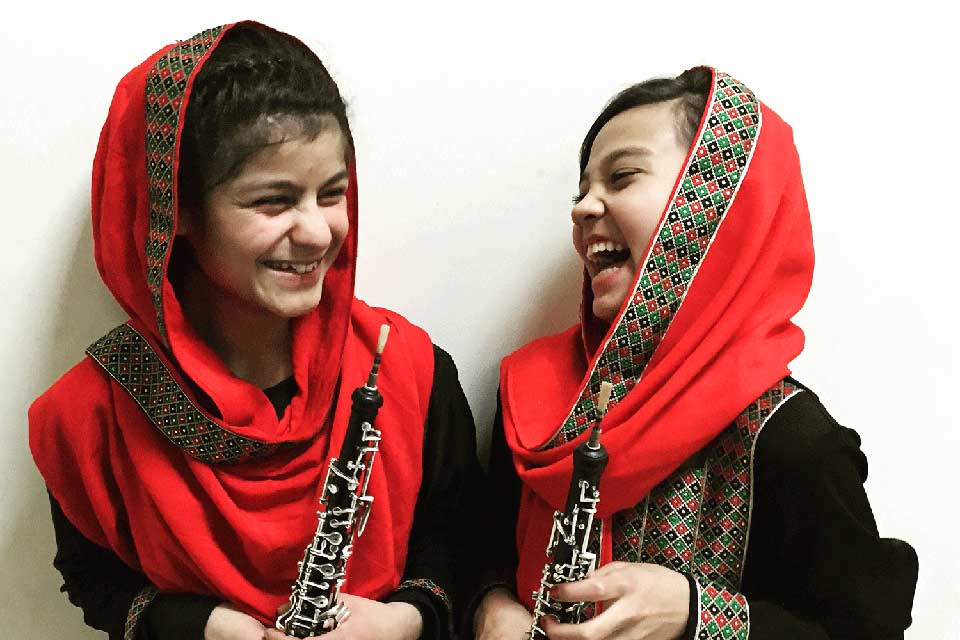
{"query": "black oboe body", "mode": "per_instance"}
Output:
(569, 551)
(315, 607)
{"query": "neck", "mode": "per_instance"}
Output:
(254, 344)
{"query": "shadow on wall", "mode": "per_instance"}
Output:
(551, 305)
(78, 314)
(556, 304)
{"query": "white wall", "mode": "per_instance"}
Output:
(468, 124)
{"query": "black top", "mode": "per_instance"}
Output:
(815, 566)
(98, 582)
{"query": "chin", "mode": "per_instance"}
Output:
(297, 311)
(290, 309)
(604, 311)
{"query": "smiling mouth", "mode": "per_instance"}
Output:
(604, 256)
(292, 267)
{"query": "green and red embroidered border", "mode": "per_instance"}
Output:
(706, 192)
(697, 521)
(137, 608)
(724, 615)
(130, 360)
(167, 83)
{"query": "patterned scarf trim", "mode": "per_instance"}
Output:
(167, 84)
(698, 520)
(713, 174)
(130, 360)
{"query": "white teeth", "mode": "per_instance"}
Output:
(305, 268)
(604, 246)
(612, 267)
(298, 267)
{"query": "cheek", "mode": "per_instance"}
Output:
(252, 239)
(645, 211)
(339, 222)
(577, 234)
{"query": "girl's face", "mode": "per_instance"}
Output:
(267, 237)
(633, 165)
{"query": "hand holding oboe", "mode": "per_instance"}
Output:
(315, 604)
(641, 600)
(370, 620)
(570, 550)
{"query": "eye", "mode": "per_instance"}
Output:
(272, 201)
(332, 196)
(577, 198)
(620, 176)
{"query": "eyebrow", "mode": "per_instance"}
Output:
(622, 152)
(627, 151)
(287, 184)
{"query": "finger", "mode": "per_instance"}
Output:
(340, 632)
(611, 567)
(591, 589)
(602, 627)
(337, 634)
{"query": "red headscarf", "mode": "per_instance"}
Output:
(706, 330)
(155, 450)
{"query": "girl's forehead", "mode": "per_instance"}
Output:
(649, 125)
(289, 142)
(303, 158)
(641, 133)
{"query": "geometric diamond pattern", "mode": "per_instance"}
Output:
(132, 362)
(723, 615)
(627, 531)
(697, 520)
(708, 188)
(137, 608)
(166, 83)
(671, 521)
(722, 543)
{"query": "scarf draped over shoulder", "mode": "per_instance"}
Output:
(156, 451)
(704, 332)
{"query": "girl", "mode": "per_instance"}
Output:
(733, 505)
(185, 455)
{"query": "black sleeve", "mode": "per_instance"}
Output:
(494, 563)
(451, 478)
(105, 589)
(816, 567)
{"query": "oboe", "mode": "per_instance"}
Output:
(568, 552)
(315, 605)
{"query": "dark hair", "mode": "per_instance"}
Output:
(692, 86)
(254, 73)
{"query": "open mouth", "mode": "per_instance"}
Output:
(603, 256)
(292, 267)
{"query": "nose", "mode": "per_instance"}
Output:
(590, 207)
(312, 227)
